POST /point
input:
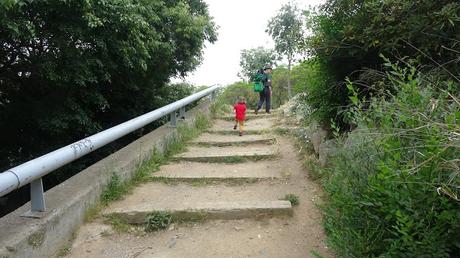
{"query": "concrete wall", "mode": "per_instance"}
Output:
(68, 202)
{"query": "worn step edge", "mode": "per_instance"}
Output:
(248, 117)
(268, 141)
(230, 131)
(212, 178)
(211, 211)
(228, 159)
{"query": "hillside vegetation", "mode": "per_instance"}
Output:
(383, 78)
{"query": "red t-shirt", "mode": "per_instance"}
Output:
(240, 111)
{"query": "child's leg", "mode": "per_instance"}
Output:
(241, 125)
(236, 123)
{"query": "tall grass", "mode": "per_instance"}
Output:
(394, 182)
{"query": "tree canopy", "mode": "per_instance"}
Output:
(71, 68)
(254, 59)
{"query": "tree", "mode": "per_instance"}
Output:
(71, 68)
(254, 59)
(287, 30)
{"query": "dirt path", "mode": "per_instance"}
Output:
(258, 232)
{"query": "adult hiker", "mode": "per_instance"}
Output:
(266, 93)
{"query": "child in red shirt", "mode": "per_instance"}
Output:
(240, 113)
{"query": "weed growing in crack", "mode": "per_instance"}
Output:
(292, 198)
(156, 221)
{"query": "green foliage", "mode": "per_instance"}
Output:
(71, 68)
(292, 198)
(287, 30)
(252, 60)
(394, 183)
(279, 86)
(316, 254)
(118, 224)
(323, 96)
(347, 43)
(185, 134)
(114, 190)
(117, 188)
(231, 93)
(157, 221)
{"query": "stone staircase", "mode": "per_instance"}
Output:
(228, 191)
(220, 156)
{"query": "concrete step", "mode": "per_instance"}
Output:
(208, 139)
(210, 211)
(186, 202)
(229, 154)
(190, 171)
(259, 126)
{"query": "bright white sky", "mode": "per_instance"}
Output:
(242, 26)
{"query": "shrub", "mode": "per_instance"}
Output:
(324, 96)
(230, 94)
(394, 185)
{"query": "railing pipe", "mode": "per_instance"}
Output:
(30, 171)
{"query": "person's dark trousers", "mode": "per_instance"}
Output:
(265, 97)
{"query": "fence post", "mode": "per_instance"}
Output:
(182, 113)
(37, 200)
(213, 95)
(173, 118)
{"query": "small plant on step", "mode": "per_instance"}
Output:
(114, 190)
(292, 198)
(156, 221)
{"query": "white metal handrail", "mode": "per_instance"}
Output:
(33, 170)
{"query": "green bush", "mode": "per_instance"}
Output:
(292, 198)
(232, 92)
(157, 221)
(324, 97)
(279, 86)
(394, 184)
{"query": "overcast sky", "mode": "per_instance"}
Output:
(242, 25)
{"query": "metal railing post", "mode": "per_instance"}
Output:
(174, 119)
(37, 200)
(182, 113)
